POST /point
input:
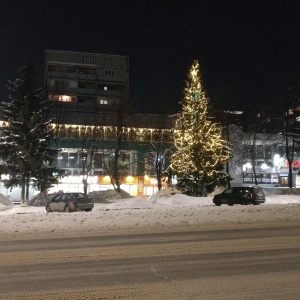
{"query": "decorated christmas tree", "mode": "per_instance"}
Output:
(201, 153)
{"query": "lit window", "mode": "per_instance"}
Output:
(103, 101)
(62, 98)
(65, 98)
(105, 88)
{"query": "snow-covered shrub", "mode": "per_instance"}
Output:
(163, 194)
(107, 196)
(42, 198)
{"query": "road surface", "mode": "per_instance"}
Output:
(199, 263)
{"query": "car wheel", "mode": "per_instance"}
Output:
(244, 202)
(48, 209)
(218, 203)
(87, 210)
(67, 209)
(230, 204)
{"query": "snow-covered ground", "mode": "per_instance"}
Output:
(161, 211)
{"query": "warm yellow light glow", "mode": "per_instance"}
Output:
(198, 140)
(194, 72)
(129, 179)
(146, 178)
(65, 98)
(83, 129)
(106, 179)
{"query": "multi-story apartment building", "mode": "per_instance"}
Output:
(87, 79)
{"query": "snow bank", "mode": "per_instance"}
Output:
(159, 211)
(2, 207)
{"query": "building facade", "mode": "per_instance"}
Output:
(261, 158)
(88, 79)
(90, 106)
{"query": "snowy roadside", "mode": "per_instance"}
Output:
(139, 213)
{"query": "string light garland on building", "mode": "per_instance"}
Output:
(69, 131)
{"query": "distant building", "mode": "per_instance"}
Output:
(87, 79)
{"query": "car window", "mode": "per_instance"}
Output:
(228, 191)
(65, 197)
(56, 198)
(236, 191)
(76, 195)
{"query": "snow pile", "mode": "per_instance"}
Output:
(183, 200)
(5, 203)
(163, 194)
(98, 197)
(107, 196)
(2, 207)
(42, 199)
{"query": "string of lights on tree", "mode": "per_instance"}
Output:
(200, 149)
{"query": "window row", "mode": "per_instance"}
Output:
(81, 70)
(61, 86)
(80, 159)
(79, 163)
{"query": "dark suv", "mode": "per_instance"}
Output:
(240, 195)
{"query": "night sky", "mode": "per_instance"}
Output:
(250, 48)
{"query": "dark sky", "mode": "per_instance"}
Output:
(250, 47)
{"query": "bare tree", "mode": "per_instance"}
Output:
(160, 142)
(115, 165)
(286, 114)
(225, 108)
(291, 133)
(89, 144)
(160, 150)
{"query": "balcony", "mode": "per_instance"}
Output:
(89, 77)
(83, 91)
(62, 75)
(62, 90)
(109, 93)
(122, 79)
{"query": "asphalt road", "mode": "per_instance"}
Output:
(219, 263)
